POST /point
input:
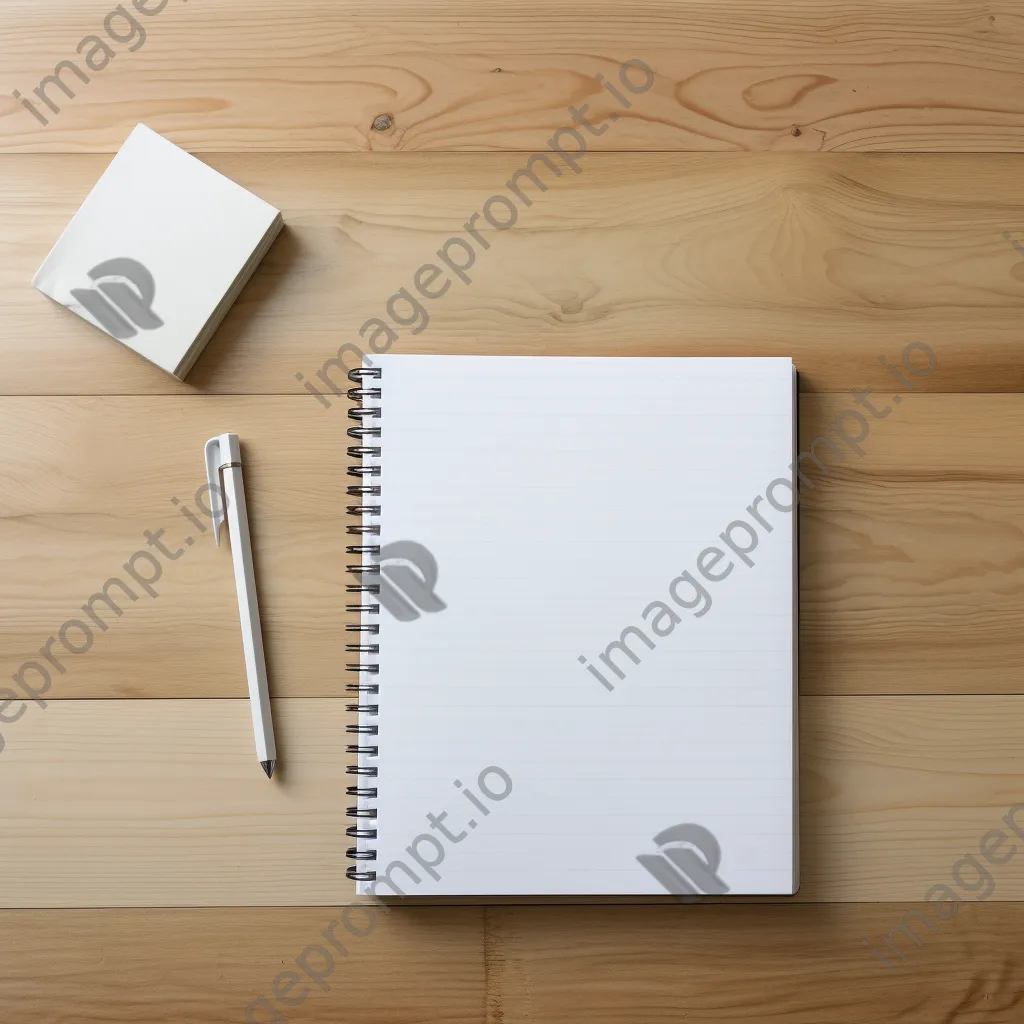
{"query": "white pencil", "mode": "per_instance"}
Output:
(227, 496)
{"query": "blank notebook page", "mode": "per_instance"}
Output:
(593, 664)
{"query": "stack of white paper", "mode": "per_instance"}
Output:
(159, 251)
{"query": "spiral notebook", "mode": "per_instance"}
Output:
(575, 653)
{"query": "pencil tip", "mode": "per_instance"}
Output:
(268, 767)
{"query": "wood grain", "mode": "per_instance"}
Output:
(801, 965)
(538, 965)
(463, 75)
(835, 261)
(913, 558)
(83, 479)
(912, 553)
(163, 804)
(895, 791)
(208, 966)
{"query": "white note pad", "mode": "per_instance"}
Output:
(159, 251)
(561, 498)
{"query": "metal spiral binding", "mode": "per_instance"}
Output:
(367, 489)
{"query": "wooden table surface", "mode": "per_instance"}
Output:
(831, 181)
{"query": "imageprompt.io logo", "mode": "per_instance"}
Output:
(122, 301)
(408, 575)
(687, 862)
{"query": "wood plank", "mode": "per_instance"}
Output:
(896, 791)
(163, 804)
(801, 965)
(912, 553)
(459, 75)
(206, 967)
(912, 578)
(836, 261)
(83, 479)
(539, 965)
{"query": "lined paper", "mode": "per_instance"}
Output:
(561, 497)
